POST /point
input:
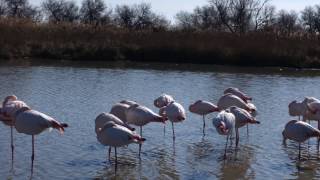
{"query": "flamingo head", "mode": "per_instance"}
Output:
(10, 98)
(222, 128)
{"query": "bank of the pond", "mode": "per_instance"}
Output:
(108, 44)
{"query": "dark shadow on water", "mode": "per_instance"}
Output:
(165, 67)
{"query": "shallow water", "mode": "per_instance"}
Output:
(76, 95)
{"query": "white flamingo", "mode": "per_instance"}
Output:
(224, 123)
(242, 118)
(299, 131)
(106, 117)
(114, 135)
(32, 122)
(163, 100)
(174, 112)
(139, 115)
(203, 108)
(10, 106)
(237, 92)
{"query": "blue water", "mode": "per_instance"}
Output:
(76, 95)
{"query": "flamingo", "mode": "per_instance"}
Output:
(237, 92)
(106, 117)
(229, 100)
(32, 122)
(242, 118)
(112, 134)
(299, 131)
(163, 100)
(224, 123)
(129, 102)
(174, 112)
(203, 108)
(10, 106)
(301, 109)
(140, 115)
(119, 110)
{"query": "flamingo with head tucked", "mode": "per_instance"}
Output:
(10, 106)
(224, 123)
(103, 118)
(33, 122)
(237, 92)
(112, 134)
(299, 131)
(162, 101)
(140, 115)
(174, 112)
(242, 118)
(203, 108)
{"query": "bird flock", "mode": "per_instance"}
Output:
(234, 109)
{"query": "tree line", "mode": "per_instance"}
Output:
(235, 32)
(232, 16)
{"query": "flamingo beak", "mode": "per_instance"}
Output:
(222, 128)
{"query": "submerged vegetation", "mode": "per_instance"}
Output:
(235, 32)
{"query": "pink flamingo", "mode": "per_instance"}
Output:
(163, 100)
(103, 118)
(32, 122)
(10, 106)
(140, 115)
(203, 108)
(174, 112)
(237, 92)
(114, 135)
(299, 131)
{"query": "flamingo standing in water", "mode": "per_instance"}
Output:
(162, 101)
(203, 108)
(299, 131)
(140, 115)
(32, 122)
(301, 109)
(112, 134)
(237, 92)
(242, 118)
(224, 123)
(119, 109)
(229, 100)
(106, 117)
(10, 106)
(174, 112)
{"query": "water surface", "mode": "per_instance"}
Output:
(76, 95)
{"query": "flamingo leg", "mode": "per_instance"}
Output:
(237, 137)
(115, 153)
(32, 156)
(225, 149)
(299, 151)
(109, 153)
(12, 146)
(140, 143)
(174, 136)
(318, 137)
(247, 130)
(204, 124)
(164, 129)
